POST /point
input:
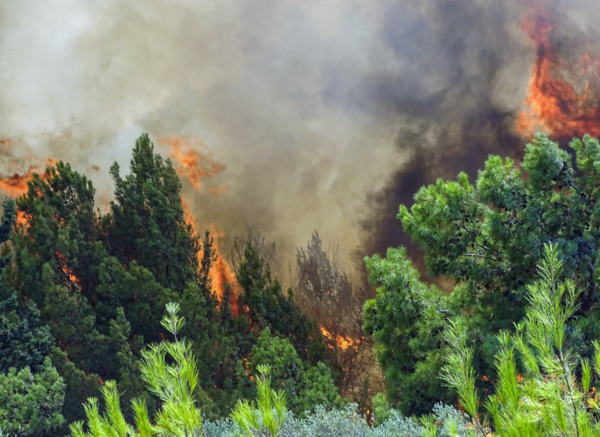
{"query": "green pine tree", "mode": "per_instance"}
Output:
(31, 403)
(173, 383)
(488, 238)
(267, 416)
(31, 391)
(547, 398)
(146, 223)
(267, 306)
(304, 385)
(407, 320)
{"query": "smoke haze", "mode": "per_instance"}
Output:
(324, 114)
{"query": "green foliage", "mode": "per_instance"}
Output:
(459, 372)
(382, 409)
(488, 238)
(6, 226)
(348, 422)
(548, 399)
(31, 404)
(407, 327)
(269, 307)
(23, 343)
(147, 223)
(56, 266)
(60, 232)
(267, 415)
(174, 384)
(305, 386)
(101, 282)
(31, 391)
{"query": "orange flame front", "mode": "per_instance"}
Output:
(564, 94)
(16, 185)
(192, 159)
(222, 274)
(343, 342)
(194, 162)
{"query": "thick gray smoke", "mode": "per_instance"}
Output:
(327, 114)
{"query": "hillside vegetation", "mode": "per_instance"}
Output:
(111, 324)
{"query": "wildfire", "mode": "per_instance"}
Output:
(221, 274)
(343, 342)
(16, 185)
(188, 216)
(194, 162)
(62, 264)
(563, 94)
(192, 159)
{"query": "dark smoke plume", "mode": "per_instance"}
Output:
(467, 50)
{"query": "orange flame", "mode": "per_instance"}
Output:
(62, 265)
(563, 96)
(193, 160)
(16, 185)
(221, 273)
(188, 216)
(343, 342)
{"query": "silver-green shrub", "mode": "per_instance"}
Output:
(349, 423)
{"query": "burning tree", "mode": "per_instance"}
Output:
(564, 87)
(101, 282)
(326, 293)
(267, 307)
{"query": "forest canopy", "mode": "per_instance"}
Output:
(112, 323)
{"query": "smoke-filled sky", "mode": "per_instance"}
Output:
(326, 114)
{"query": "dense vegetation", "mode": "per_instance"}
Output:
(487, 237)
(110, 324)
